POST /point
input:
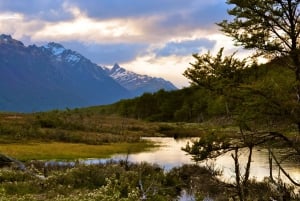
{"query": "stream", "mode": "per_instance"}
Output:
(169, 155)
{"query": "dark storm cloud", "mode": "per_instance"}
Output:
(107, 54)
(184, 48)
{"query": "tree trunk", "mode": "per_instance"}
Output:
(296, 62)
(247, 172)
(271, 165)
(227, 109)
(239, 187)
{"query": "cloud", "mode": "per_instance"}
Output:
(85, 29)
(48, 10)
(53, 10)
(116, 21)
(108, 54)
(184, 48)
(16, 25)
(108, 9)
(170, 68)
(197, 15)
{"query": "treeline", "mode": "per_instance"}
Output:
(180, 105)
(191, 104)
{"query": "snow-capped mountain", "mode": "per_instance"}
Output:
(79, 63)
(60, 53)
(51, 77)
(136, 83)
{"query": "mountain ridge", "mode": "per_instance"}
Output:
(51, 77)
(35, 79)
(137, 83)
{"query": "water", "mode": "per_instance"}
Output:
(259, 166)
(169, 155)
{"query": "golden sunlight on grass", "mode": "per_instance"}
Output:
(68, 151)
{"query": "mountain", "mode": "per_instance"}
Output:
(51, 77)
(138, 84)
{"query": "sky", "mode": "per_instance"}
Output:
(153, 37)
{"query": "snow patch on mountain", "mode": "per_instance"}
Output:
(61, 53)
(136, 83)
(55, 48)
(73, 58)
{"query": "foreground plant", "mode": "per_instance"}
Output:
(122, 181)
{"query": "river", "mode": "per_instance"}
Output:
(169, 154)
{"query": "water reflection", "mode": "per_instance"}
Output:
(259, 166)
(169, 155)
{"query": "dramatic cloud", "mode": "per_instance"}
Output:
(85, 29)
(156, 37)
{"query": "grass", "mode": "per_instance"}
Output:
(69, 151)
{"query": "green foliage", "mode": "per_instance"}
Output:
(268, 26)
(271, 28)
(215, 72)
(111, 181)
(123, 181)
(208, 146)
(187, 105)
(255, 101)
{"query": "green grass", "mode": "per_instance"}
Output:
(69, 151)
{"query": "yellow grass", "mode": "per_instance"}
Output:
(68, 151)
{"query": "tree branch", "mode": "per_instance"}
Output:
(283, 170)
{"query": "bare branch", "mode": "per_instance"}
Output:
(283, 170)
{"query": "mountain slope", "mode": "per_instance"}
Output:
(138, 84)
(51, 77)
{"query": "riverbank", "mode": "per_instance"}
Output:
(75, 134)
(70, 151)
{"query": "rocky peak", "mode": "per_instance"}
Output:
(55, 48)
(116, 68)
(4, 37)
(136, 83)
(8, 40)
(61, 53)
